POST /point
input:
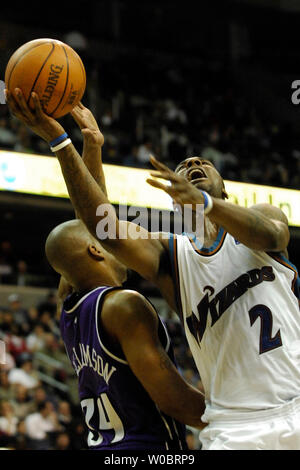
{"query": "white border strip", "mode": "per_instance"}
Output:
(82, 299)
(167, 334)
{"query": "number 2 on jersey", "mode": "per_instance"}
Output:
(267, 342)
(108, 419)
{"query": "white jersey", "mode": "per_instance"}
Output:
(241, 318)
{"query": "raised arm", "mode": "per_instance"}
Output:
(93, 141)
(131, 320)
(261, 227)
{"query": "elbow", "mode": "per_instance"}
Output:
(273, 238)
(277, 240)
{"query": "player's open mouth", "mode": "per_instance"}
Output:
(196, 175)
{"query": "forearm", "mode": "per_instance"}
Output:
(188, 408)
(84, 192)
(181, 401)
(172, 394)
(92, 158)
(249, 227)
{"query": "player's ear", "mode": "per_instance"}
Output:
(224, 192)
(95, 252)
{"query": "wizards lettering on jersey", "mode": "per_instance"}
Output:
(91, 360)
(225, 298)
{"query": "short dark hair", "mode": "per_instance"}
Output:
(42, 405)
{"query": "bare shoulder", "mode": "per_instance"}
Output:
(125, 310)
(271, 211)
(124, 300)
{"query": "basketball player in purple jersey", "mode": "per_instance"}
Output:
(129, 389)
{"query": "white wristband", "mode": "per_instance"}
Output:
(61, 145)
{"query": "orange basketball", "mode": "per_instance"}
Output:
(50, 68)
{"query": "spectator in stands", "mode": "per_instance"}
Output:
(6, 390)
(20, 314)
(21, 438)
(40, 425)
(49, 304)
(64, 414)
(24, 374)
(143, 153)
(21, 277)
(33, 317)
(8, 420)
(35, 341)
(62, 442)
(48, 324)
(39, 395)
(15, 343)
(22, 404)
(51, 344)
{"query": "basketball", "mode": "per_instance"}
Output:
(51, 69)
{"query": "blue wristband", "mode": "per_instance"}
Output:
(58, 140)
(205, 198)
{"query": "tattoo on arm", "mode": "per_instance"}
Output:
(83, 190)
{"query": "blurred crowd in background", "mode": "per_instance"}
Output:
(180, 113)
(39, 405)
(173, 107)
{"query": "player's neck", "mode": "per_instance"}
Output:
(211, 230)
(93, 282)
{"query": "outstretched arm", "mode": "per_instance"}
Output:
(132, 321)
(261, 227)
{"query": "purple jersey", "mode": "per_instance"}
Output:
(118, 411)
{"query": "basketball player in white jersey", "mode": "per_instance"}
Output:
(236, 293)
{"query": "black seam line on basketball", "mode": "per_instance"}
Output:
(40, 71)
(67, 79)
(23, 55)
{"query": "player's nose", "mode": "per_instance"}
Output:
(195, 161)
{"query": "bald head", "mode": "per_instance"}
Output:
(66, 243)
(75, 254)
